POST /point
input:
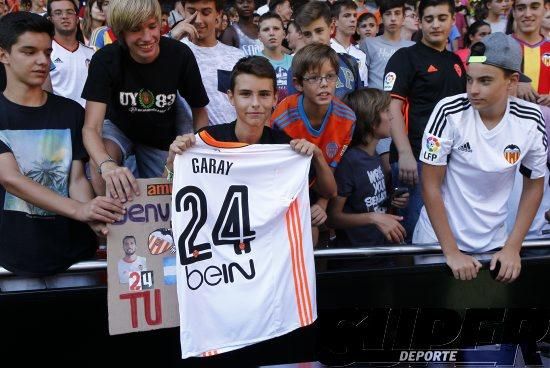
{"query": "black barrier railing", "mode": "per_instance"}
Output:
(94, 265)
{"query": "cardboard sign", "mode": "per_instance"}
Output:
(141, 263)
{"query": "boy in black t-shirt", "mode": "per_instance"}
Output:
(43, 186)
(418, 77)
(134, 83)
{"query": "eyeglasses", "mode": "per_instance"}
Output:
(317, 79)
(412, 15)
(68, 12)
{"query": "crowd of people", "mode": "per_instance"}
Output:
(420, 116)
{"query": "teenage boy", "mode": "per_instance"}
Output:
(128, 84)
(314, 113)
(315, 21)
(344, 13)
(283, 9)
(244, 33)
(44, 194)
(418, 77)
(272, 33)
(294, 37)
(474, 144)
(528, 15)
(496, 14)
(379, 49)
(215, 58)
(253, 93)
(70, 57)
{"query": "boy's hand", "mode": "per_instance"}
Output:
(464, 267)
(99, 228)
(510, 264)
(181, 144)
(401, 201)
(303, 147)
(318, 215)
(408, 169)
(119, 181)
(100, 209)
(389, 226)
(186, 28)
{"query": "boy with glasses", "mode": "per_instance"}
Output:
(315, 114)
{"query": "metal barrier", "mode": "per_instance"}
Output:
(94, 265)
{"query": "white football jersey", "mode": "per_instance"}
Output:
(241, 223)
(71, 70)
(481, 165)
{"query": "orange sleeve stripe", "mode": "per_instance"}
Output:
(399, 97)
(208, 139)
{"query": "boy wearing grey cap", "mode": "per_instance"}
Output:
(471, 149)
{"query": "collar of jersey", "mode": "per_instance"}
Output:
(211, 141)
(304, 117)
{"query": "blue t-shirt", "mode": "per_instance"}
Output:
(360, 179)
(282, 67)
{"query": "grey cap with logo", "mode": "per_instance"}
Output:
(500, 50)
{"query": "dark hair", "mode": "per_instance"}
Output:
(427, 3)
(338, 5)
(13, 25)
(257, 66)
(367, 103)
(129, 237)
(363, 17)
(219, 4)
(294, 24)
(270, 15)
(472, 30)
(312, 57)
(391, 4)
(312, 11)
(274, 3)
(49, 6)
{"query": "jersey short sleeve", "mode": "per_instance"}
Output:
(438, 138)
(398, 75)
(533, 165)
(344, 178)
(190, 84)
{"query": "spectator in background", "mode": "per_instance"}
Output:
(233, 15)
(137, 79)
(528, 16)
(418, 77)
(475, 33)
(496, 14)
(215, 58)
(222, 26)
(474, 144)
(315, 21)
(3, 8)
(316, 114)
(294, 37)
(380, 49)
(272, 34)
(94, 18)
(256, 19)
(244, 33)
(410, 24)
(46, 201)
(176, 14)
(38, 7)
(545, 26)
(344, 13)
(282, 9)
(70, 57)
(359, 212)
(366, 27)
(103, 36)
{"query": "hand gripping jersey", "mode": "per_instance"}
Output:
(245, 268)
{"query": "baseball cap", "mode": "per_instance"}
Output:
(500, 50)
